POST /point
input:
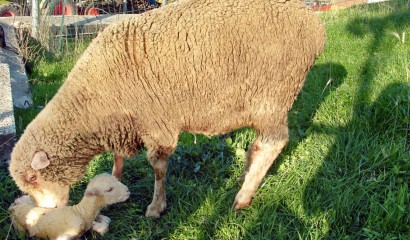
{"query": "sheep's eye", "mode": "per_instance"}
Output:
(109, 190)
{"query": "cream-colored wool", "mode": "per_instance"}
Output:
(203, 66)
(71, 221)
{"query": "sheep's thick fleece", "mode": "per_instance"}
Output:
(203, 66)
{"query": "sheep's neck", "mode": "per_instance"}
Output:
(88, 125)
(120, 134)
(89, 207)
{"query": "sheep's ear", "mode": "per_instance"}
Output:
(30, 177)
(40, 161)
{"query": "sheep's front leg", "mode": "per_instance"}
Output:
(261, 155)
(118, 165)
(158, 159)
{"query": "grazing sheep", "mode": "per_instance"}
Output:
(199, 66)
(70, 222)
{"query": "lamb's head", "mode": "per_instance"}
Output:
(42, 173)
(110, 188)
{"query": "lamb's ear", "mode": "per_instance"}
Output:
(92, 192)
(40, 161)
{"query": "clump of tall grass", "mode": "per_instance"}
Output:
(401, 37)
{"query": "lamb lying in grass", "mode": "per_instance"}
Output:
(71, 221)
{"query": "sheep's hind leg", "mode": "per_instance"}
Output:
(158, 159)
(261, 155)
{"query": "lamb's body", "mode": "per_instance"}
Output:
(71, 221)
(51, 222)
(199, 66)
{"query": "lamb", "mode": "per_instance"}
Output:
(199, 66)
(70, 222)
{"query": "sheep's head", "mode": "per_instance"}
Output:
(43, 171)
(110, 188)
(29, 177)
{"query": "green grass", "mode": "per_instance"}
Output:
(345, 173)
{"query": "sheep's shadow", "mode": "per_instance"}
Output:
(322, 80)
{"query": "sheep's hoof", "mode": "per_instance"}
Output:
(154, 211)
(242, 201)
(152, 214)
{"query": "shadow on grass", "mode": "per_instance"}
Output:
(321, 81)
(382, 30)
(363, 181)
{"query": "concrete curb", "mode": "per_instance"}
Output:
(19, 81)
(7, 122)
(14, 90)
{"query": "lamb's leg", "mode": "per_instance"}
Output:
(64, 237)
(23, 199)
(158, 159)
(264, 151)
(118, 165)
(101, 224)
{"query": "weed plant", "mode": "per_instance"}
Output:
(345, 173)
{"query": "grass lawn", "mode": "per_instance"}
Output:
(345, 173)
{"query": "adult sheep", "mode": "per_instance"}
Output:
(200, 66)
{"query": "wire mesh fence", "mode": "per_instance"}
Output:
(97, 7)
(327, 5)
(11, 8)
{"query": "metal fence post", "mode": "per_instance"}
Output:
(60, 40)
(35, 18)
(124, 7)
